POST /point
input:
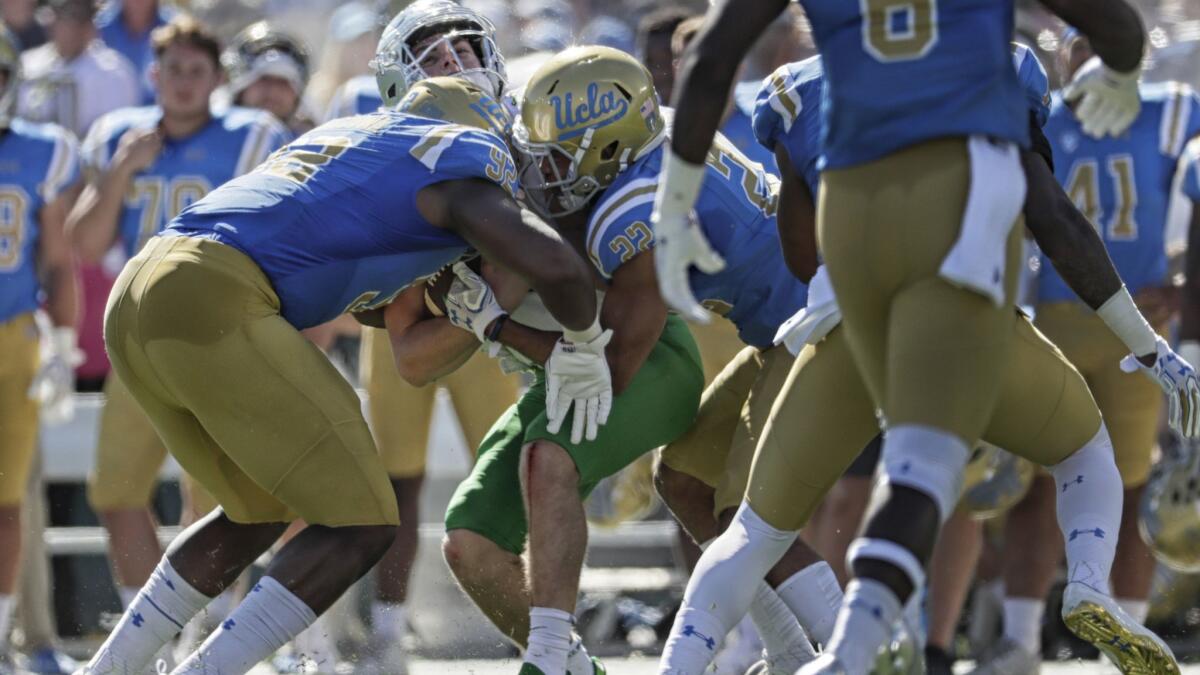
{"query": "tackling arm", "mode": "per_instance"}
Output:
(635, 311)
(425, 347)
(1113, 28)
(797, 218)
(1189, 330)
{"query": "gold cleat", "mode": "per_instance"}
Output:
(1133, 648)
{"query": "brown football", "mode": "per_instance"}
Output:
(438, 285)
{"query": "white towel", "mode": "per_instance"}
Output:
(977, 260)
(812, 323)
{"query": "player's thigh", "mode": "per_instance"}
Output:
(18, 412)
(1045, 410)
(702, 452)
(776, 365)
(480, 393)
(400, 413)
(821, 421)
(1132, 405)
(719, 343)
(657, 407)
(488, 502)
(129, 453)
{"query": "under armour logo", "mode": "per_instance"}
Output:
(1096, 532)
(138, 619)
(229, 624)
(170, 585)
(690, 631)
(1078, 481)
(906, 467)
(257, 588)
(1117, 642)
(874, 610)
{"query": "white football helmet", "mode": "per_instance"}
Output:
(397, 64)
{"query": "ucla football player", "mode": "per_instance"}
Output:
(1124, 186)
(39, 173)
(268, 70)
(925, 328)
(144, 166)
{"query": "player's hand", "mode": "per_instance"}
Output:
(1107, 101)
(470, 303)
(577, 375)
(679, 244)
(1178, 379)
(138, 148)
(54, 383)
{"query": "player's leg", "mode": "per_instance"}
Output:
(817, 425)
(930, 351)
(18, 434)
(951, 571)
(129, 456)
(837, 520)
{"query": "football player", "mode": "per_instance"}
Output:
(268, 70)
(39, 172)
(1123, 186)
(144, 166)
(1189, 328)
(204, 328)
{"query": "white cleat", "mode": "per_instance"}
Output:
(1097, 618)
(826, 664)
(1006, 657)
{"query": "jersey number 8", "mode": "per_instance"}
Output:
(899, 30)
(13, 206)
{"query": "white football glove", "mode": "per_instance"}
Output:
(1108, 100)
(577, 374)
(1178, 379)
(54, 384)
(678, 241)
(470, 303)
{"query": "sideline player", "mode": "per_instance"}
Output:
(949, 300)
(268, 70)
(39, 172)
(204, 323)
(144, 166)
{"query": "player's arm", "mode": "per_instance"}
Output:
(55, 262)
(484, 214)
(425, 347)
(1189, 328)
(93, 222)
(797, 219)
(1113, 28)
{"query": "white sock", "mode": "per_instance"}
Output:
(6, 605)
(549, 639)
(1023, 622)
(693, 642)
(317, 644)
(1090, 495)
(864, 624)
(788, 648)
(268, 618)
(1138, 609)
(579, 662)
(814, 596)
(153, 618)
(389, 621)
(127, 594)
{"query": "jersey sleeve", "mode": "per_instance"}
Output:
(775, 108)
(64, 169)
(455, 151)
(619, 227)
(1180, 119)
(1034, 82)
(266, 135)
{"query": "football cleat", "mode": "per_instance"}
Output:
(1097, 618)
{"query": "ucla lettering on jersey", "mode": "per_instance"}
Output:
(787, 109)
(231, 144)
(736, 209)
(331, 218)
(1123, 185)
(37, 163)
(900, 72)
(358, 96)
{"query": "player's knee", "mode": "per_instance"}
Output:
(545, 463)
(677, 488)
(462, 550)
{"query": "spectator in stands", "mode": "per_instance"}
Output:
(268, 70)
(608, 31)
(353, 32)
(21, 18)
(125, 26)
(75, 78)
(654, 46)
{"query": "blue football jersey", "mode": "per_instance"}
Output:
(900, 72)
(736, 209)
(358, 96)
(331, 218)
(232, 143)
(37, 162)
(136, 48)
(739, 127)
(1190, 165)
(787, 109)
(1124, 184)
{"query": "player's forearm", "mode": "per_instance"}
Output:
(1066, 237)
(1189, 328)
(431, 349)
(1113, 28)
(535, 345)
(92, 224)
(62, 293)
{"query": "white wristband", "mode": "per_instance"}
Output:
(678, 188)
(1125, 320)
(581, 337)
(63, 340)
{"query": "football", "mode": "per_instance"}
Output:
(438, 285)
